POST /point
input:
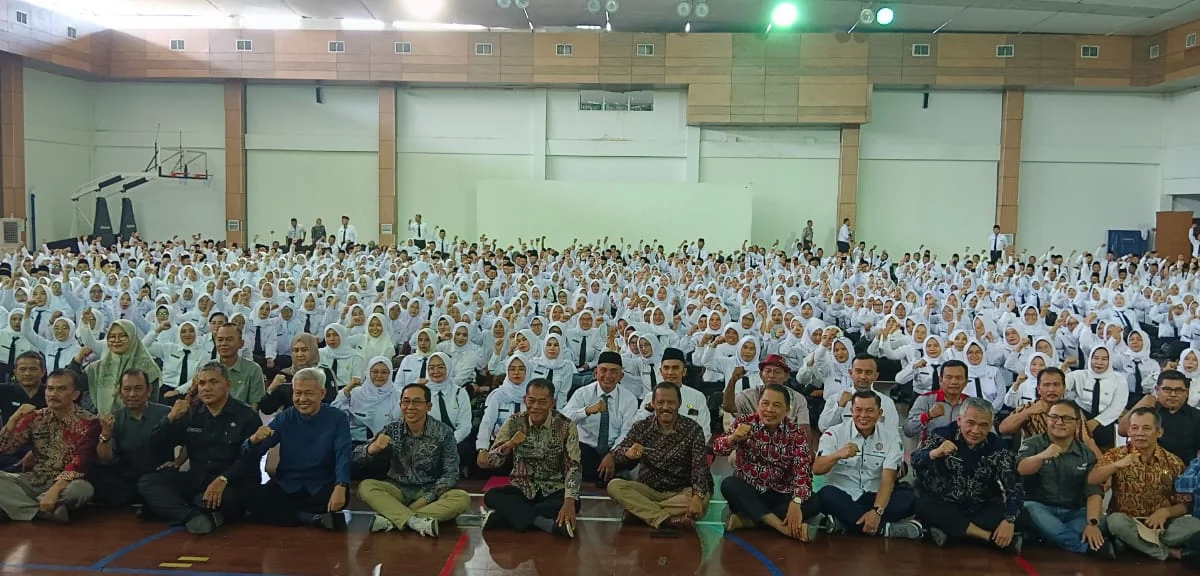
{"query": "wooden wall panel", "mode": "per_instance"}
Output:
(581, 67)
(12, 137)
(235, 159)
(848, 174)
(1008, 176)
(387, 164)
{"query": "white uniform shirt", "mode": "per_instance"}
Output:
(833, 415)
(622, 412)
(863, 473)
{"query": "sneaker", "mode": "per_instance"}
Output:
(58, 516)
(427, 527)
(381, 524)
(333, 521)
(834, 526)
(813, 525)
(218, 520)
(910, 529)
(567, 530)
(487, 520)
(200, 524)
(1014, 547)
(938, 536)
(1106, 552)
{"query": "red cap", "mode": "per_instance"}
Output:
(775, 360)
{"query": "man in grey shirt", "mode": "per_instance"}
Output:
(941, 407)
(124, 453)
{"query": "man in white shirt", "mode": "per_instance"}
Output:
(997, 243)
(443, 245)
(843, 237)
(418, 230)
(698, 251)
(347, 235)
(693, 404)
(295, 235)
(863, 372)
(860, 461)
(603, 412)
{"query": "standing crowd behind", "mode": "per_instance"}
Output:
(1048, 397)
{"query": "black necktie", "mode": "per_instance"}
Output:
(937, 380)
(442, 409)
(37, 322)
(1137, 376)
(978, 388)
(583, 350)
(550, 375)
(213, 355)
(602, 438)
(183, 367)
(58, 358)
(745, 383)
(653, 377)
(12, 353)
(308, 323)
(1095, 399)
(334, 367)
(995, 243)
(1124, 319)
(424, 365)
(258, 349)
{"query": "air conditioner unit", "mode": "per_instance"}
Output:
(10, 233)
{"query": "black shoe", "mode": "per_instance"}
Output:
(565, 530)
(937, 536)
(200, 524)
(332, 521)
(1014, 547)
(1106, 552)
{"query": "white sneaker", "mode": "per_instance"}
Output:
(424, 526)
(381, 524)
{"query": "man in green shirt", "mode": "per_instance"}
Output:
(248, 384)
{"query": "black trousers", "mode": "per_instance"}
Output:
(589, 460)
(273, 505)
(995, 255)
(519, 512)
(953, 519)
(176, 496)
(843, 247)
(834, 502)
(744, 500)
(114, 486)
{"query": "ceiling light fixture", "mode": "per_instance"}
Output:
(504, 4)
(522, 4)
(785, 15)
(885, 16)
(253, 22)
(436, 26)
(612, 6)
(684, 9)
(701, 9)
(687, 27)
(361, 24)
(423, 9)
(593, 6)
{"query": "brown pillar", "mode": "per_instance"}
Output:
(848, 176)
(1008, 175)
(12, 138)
(387, 165)
(235, 161)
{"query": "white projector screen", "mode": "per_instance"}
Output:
(563, 211)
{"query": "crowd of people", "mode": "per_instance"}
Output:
(1047, 397)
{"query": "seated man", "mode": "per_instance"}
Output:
(419, 491)
(546, 475)
(310, 483)
(28, 388)
(64, 440)
(941, 407)
(1062, 506)
(860, 461)
(219, 481)
(970, 487)
(674, 483)
(1180, 421)
(692, 404)
(1143, 483)
(1030, 420)
(125, 453)
(772, 477)
(773, 370)
(863, 372)
(603, 412)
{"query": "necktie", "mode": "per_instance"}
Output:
(429, 315)
(343, 235)
(442, 409)
(978, 388)
(602, 438)
(37, 322)
(424, 365)
(937, 380)
(536, 309)
(583, 350)
(745, 383)
(550, 375)
(653, 377)
(1137, 376)
(183, 367)
(995, 243)
(258, 349)
(213, 355)
(1124, 319)
(58, 358)
(12, 353)
(1095, 399)
(334, 367)
(308, 323)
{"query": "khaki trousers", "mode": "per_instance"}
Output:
(399, 504)
(652, 506)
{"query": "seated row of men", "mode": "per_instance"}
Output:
(972, 486)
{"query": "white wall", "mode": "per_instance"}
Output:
(1181, 144)
(309, 160)
(59, 130)
(928, 176)
(1089, 164)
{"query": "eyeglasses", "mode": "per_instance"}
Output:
(1063, 419)
(412, 402)
(1173, 390)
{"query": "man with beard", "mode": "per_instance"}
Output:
(313, 476)
(674, 483)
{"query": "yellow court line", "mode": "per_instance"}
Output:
(174, 565)
(193, 558)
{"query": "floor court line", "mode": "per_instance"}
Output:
(756, 553)
(452, 560)
(146, 571)
(105, 561)
(1026, 566)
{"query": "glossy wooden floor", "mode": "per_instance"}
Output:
(115, 542)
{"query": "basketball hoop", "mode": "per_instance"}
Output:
(189, 176)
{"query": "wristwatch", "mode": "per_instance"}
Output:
(798, 501)
(104, 439)
(879, 510)
(1093, 522)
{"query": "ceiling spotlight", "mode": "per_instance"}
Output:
(504, 3)
(612, 6)
(785, 15)
(522, 4)
(684, 9)
(885, 16)
(867, 16)
(701, 10)
(593, 6)
(687, 27)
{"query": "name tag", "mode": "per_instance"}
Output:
(194, 430)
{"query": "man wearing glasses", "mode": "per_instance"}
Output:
(1180, 422)
(1061, 504)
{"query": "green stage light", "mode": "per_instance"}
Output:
(785, 15)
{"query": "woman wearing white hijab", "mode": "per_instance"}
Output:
(925, 373)
(377, 341)
(981, 378)
(464, 355)
(1102, 393)
(415, 367)
(1141, 371)
(745, 358)
(372, 404)
(13, 344)
(1189, 364)
(507, 399)
(451, 403)
(59, 348)
(341, 357)
(181, 352)
(1024, 391)
(556, 366)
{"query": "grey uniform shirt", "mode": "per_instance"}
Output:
(1062, 481)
